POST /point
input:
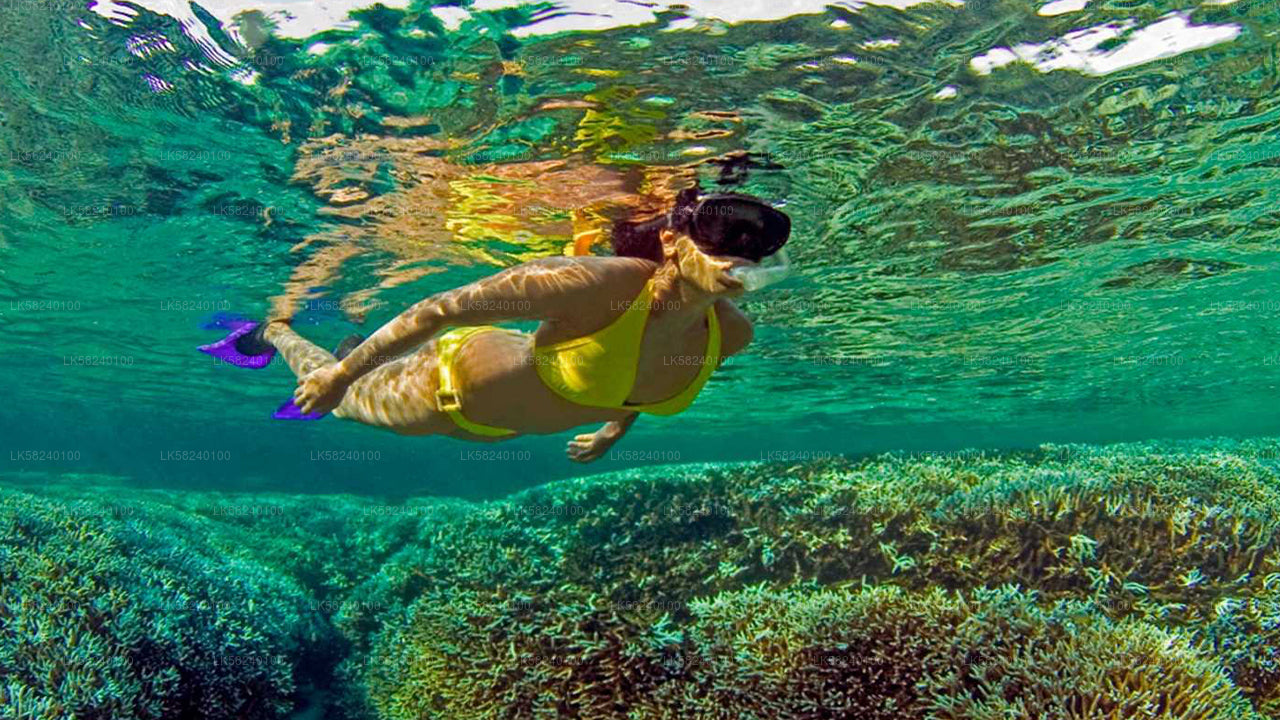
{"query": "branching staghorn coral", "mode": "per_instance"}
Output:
(1183, 542)
(489, 655)
(874, 652)
(822, 589)
(1012, 658)
(105, 617)
(812, 653)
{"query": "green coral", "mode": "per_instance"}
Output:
(1072, 582)
(875, 652)
(105, 616)
(882, 652)
(1160, 543)
(1012, 658)
(330, 544)
(556, 656)
(812, 653)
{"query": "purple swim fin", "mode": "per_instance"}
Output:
(244, 347)
(290, 411)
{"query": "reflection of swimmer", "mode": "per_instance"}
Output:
(400, 196)
(614, 334)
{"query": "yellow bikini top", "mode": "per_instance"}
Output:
(599, 370)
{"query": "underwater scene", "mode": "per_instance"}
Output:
(602, 359)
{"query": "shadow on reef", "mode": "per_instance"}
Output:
(1129, 581)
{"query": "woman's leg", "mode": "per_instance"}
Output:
(302, 355)
(398, 396)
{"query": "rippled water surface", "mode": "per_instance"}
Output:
(1014, 223)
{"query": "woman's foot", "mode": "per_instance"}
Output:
(255, 343)
(245, 347)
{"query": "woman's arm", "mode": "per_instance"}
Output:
(736, 331)
(585, 448)
(544, 289)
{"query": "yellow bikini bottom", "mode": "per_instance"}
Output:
(447, 346)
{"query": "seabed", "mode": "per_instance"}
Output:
(1123, 581)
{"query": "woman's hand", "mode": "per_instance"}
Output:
(585, 448)
(709, 272)
(320, 391)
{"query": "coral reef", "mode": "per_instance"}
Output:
(883, 652)
(1131, 581)
(811, 653)
(570, 599)
(1011, 658)
(104, 615)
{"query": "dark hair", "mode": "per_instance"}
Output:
(639, 239)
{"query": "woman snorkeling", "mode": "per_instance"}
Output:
(640, 332)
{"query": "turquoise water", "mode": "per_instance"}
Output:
(1077, 245)
(1016, 404)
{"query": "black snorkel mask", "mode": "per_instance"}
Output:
(719, 224)
(730, 224)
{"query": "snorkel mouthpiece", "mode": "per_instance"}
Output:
(772, 269)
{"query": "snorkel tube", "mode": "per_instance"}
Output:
(772, 269)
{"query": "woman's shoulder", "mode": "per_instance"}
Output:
(600, 269)
(588, 291)
(603, 262)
